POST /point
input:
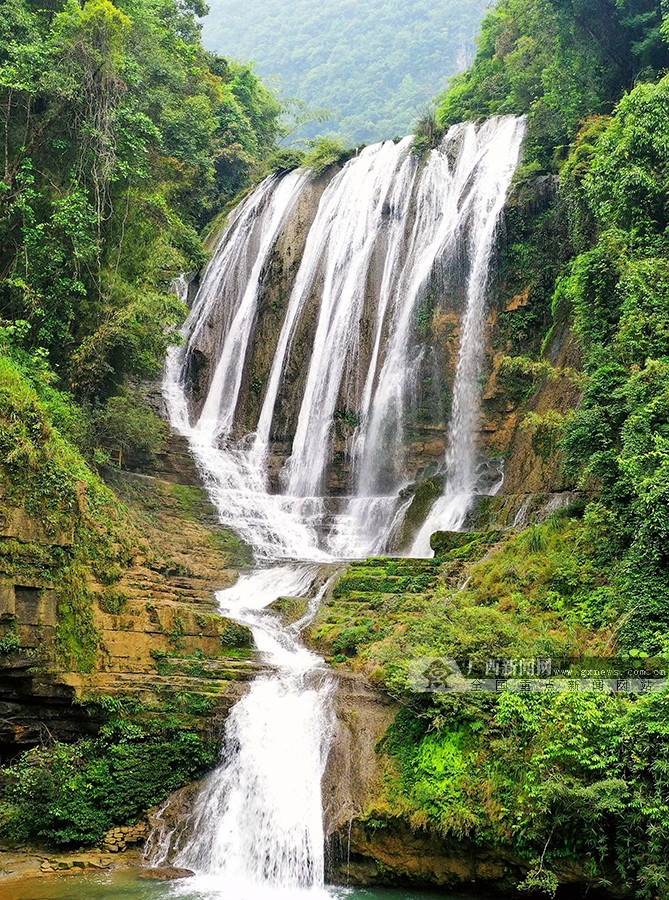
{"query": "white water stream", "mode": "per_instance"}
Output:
(386, 232)
(258, 820)
(487, 200)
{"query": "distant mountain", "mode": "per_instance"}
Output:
(374, 65)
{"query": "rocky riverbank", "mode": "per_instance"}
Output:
(18, 865)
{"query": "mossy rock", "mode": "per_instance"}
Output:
(425, 493)
(290, 609)
(443, 542)
(235, 636)
(462, 544)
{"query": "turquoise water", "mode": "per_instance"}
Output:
(127, 886)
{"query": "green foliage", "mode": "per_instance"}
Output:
(542, 592)
(70, 795)
(544, 58)
(347, 417)
(555, 779)
(547, 430)
(360, 580)
(125, 424)
(77, 637)
(608, 278)
(40, 468)
(537, 245)
(112, 601)
(519, 374)
(372, 67)
(121, 137)
(234, 635)
(326, 152)
(618, 291)
(11, 641)
(350, 639)
(44, 474)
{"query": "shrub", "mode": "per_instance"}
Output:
(326, 152)
(124, 423)
(69, 795)
(112, 601)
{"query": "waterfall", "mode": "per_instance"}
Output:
(388, 232)
(258, 819)
(235, 272)
(226, 306)
(355, 211)
(388, 238)
(487, 200)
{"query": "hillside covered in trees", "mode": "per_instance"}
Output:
(373, 67)
(121, 138)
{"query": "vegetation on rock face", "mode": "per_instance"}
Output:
(86, 545)
(68, 795)
(43, 474)
(545, 591)
(121, 135)
(562, 780)
(607, 279)
(371, 68)
(617, 288)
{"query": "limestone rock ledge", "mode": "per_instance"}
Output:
(159, 639)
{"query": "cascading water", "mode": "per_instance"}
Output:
(258, 820)
(487, 200)
(388, 232)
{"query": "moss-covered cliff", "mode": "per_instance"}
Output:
(111, 653)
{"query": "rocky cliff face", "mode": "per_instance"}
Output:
(156, 634)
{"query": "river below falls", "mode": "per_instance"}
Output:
(124, 885)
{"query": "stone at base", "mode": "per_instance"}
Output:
(168, 873)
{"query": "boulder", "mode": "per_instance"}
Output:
(167, 873)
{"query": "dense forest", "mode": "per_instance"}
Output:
(121, 138)
(370, 69)
(558, 61)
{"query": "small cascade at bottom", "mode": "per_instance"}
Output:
(257, 825)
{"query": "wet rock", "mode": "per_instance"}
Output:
(350, 781)
(168, 873)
